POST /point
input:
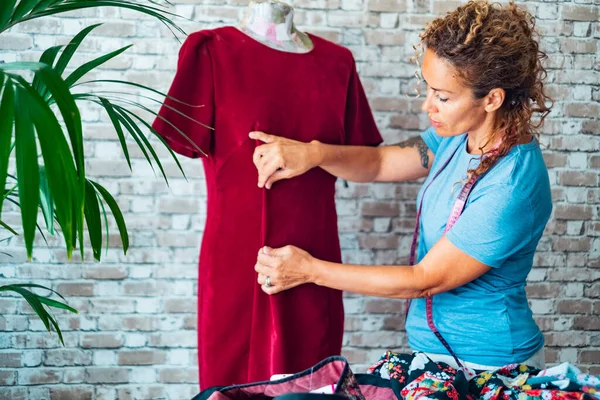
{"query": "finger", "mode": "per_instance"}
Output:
(260, 153)
(263, 250)
(263, 137)
(263, 270)
(257, 156)
(277, 252)
(270, 290)
(277, 176)
(264, 160)
(261, 279)
(268, 168)
(270, 158)
(268, 261)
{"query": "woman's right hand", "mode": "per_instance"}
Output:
(280, 158)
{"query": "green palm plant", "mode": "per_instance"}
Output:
(40, 116)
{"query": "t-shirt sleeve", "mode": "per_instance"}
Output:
(359, 126)
(189, 134)
(496, 224)
(431, 139)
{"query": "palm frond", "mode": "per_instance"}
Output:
(12, 12)
(41, 304)
(56, 183)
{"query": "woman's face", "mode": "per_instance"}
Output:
(449, 104)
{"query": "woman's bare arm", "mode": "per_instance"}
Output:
(405, 161)
(282, 158)
(444, 268)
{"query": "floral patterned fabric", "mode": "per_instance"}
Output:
(416, 376)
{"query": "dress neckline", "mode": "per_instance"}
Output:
(260, 44)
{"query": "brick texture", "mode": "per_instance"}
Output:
(135, 334)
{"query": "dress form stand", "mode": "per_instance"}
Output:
(271, 22)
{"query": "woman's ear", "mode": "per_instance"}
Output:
(494, 99)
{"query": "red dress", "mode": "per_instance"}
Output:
(245, 335)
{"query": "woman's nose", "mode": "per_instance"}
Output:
(428, 105)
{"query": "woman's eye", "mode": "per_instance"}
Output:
(442, 99)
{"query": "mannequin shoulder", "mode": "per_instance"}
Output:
(224, 40)
(333, 56)
(332, 48)
(195, 44)
(200, 37)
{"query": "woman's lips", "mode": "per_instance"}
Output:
(435, 123)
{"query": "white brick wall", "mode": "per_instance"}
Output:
(134, 336)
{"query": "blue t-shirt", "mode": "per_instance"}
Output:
(487, 321)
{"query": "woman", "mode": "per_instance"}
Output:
(482, 209)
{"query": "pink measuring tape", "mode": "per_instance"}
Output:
(457, 210)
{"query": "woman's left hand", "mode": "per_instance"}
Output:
(285, 268)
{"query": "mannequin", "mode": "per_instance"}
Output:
(263, 75)
(271, 23)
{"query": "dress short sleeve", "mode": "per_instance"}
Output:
(431, 139)
(359, 125)
(192, 85)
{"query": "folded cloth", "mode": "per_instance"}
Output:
(416, 376)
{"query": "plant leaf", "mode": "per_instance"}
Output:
(27, 168)
(139, 132)
(6, 11)
(33, 285)
(49, 55)
(175, 110)
(48, 58)
(72, 5)
(118, 216)
(87, 67)
(57, 304)
(133, 132)
(56, 328)
(67, 54)
(146, 88)
(8, 192)
(7, 107)
(8, 228)
(70, 113)
(125, 122)
(59, 166)
(154, 113)
(115, 121)
(22, 66)
(37, 304)
(46, 200)
(161, 139)
(92, 218)
(34, 302)
(106, 231)
(23, 8)
(43, 4)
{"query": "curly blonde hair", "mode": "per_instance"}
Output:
(495, 46)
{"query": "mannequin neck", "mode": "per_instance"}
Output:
(271, 22)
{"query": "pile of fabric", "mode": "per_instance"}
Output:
(415, 376)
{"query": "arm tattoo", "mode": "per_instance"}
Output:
(422, 148)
